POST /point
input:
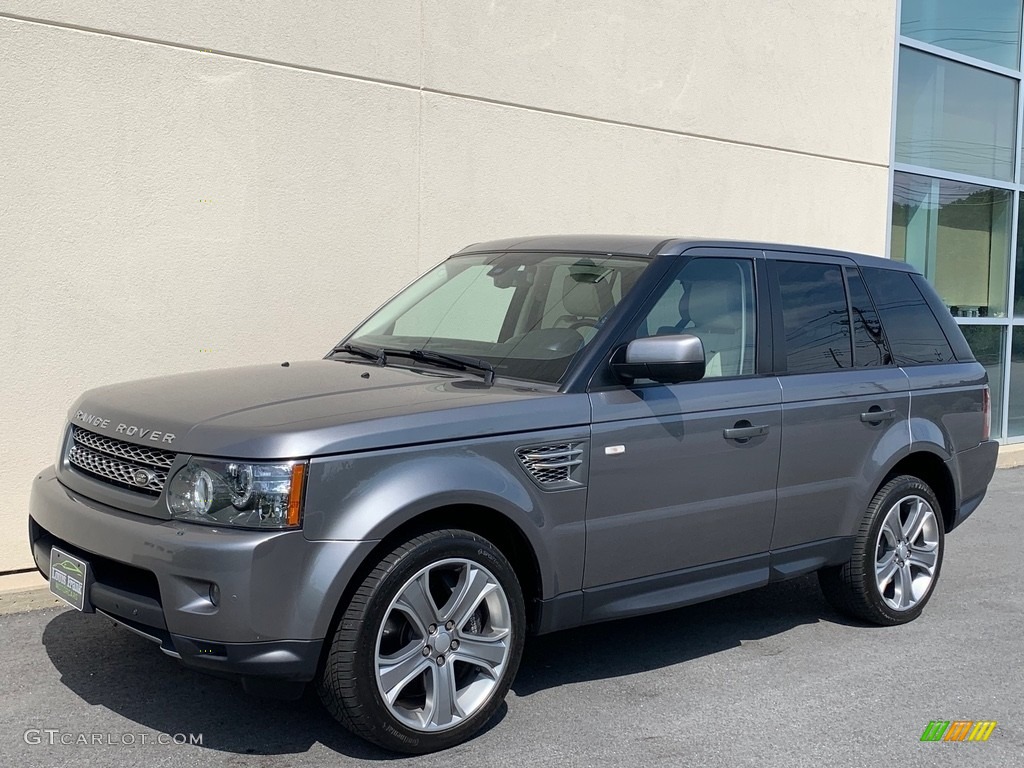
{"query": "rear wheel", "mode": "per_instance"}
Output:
(429, 644)
(897, 556)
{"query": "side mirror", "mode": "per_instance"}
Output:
(665, 359)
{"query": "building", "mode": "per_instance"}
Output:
(204, 184)
(957, 177)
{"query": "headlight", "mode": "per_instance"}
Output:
(238, 493)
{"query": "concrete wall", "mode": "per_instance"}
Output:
(194, 184)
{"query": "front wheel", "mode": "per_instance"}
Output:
(896, 558)
(428, 645)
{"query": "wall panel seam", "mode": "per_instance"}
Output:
(440, 92)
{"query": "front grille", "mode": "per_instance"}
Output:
(138, 467)
(552, 465)
(138, 454)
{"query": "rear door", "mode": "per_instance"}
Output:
(845, 404)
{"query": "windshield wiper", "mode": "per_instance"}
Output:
(456, 362)
(377, 355)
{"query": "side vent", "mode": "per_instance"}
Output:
(553, 466)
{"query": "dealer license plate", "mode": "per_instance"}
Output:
(68, 578)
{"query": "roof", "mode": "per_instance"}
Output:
(658, 245)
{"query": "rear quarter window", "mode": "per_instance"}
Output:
(915, 335)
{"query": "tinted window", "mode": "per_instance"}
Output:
(914, 334)
(814, 317)
(712, 299)
(869, 347)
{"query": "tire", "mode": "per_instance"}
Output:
(893, 549)
(438, 625)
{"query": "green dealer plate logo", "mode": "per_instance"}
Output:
(68, 578)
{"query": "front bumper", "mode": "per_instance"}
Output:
(278, 591)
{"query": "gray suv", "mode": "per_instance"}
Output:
(537, 434)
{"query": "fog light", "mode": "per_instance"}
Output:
(214, 594)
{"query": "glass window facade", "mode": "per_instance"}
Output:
(987, 344)
(955, 117)
(958, 175)
(958, 236)
(984, 29)
(1015, 421)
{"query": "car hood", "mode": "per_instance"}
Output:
(314, 408)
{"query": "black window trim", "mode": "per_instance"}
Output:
(878, 316)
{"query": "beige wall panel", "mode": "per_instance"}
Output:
(378, 39)
(494, 171)
(809, 76)
(157, 202)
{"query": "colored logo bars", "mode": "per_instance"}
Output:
(958, 730)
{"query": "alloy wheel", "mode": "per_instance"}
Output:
(443, 645)
(907, 553)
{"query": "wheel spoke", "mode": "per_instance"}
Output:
(915, 519)
(474, 585)
(485, 653)
(885, 569)
(906, 589)
(399, 669)
(442, 704)
(924, 559)
(891, 527)
(418, 605)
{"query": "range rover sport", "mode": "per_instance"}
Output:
(537, 434)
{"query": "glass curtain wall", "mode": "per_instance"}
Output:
(957, 178)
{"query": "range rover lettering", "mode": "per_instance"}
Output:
(537, 434)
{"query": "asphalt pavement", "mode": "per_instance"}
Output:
(773, 677)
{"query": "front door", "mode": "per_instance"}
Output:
(681, 498)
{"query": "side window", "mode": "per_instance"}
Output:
(713, 299)
(914, 334)
(814, 317)
(869, 349)
(666, 316)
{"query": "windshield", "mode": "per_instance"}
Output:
(526, 314)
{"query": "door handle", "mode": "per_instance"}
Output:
(876, 415)
(744, 430)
